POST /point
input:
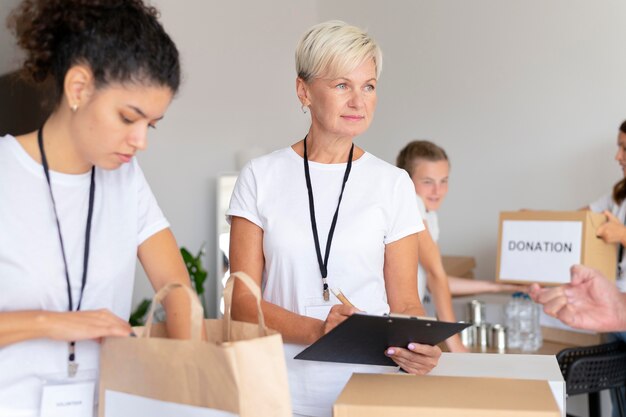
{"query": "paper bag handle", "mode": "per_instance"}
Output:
(197, 314)
(228, 298)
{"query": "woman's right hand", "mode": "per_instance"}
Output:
(19, 326)
(336, 315)
(588, 302)
(84, 325)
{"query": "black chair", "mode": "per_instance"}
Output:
(591, 369)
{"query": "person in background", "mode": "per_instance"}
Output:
(613, 206)
(429, 167)
(75, 209)
(588, 302)
(289, 206)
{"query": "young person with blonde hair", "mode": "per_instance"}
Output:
(429, 167)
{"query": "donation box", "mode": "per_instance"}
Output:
(388, 395)
(541, 246)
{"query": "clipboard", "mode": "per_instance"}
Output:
(363, 338)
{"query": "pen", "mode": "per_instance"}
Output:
(342, 297)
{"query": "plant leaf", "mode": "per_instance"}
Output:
(196, 271)
(138, 317)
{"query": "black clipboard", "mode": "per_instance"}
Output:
(363, 338)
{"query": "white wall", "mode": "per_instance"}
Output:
(9, 54)
(526, 97)
(238, 91)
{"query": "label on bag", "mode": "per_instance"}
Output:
(119, 404)
(68, 400)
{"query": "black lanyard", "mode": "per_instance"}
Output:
(72, 365)
(324, 263)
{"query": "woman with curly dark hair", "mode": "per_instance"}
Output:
(76, 210)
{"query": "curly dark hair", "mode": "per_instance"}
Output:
(120, 40)
(419, 150)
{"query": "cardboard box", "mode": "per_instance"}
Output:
(514, 366)
(541, 246)
(459, 266)
(554, 330)
(395, 395)
(572, 337)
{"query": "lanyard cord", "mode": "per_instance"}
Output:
(92, 189)
(72, 366)
(323, 264)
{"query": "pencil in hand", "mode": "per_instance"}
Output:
(342, 297)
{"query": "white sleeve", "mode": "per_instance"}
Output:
(421, 206)
(405, 218)
(243, 202)
(150, 218)
(603, 203)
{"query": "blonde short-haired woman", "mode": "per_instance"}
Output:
(289, 206)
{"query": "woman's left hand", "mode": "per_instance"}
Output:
(416, 359)
(613, 231)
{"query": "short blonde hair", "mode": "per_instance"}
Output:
(333, 48)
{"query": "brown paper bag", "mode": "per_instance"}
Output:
(240, 370)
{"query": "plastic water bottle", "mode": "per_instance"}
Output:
(511, 312)
(529, 325)
(526, 324)
(537, 336)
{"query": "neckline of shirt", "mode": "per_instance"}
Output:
(37, 169)
(329, 167)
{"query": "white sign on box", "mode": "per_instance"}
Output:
(541, 251)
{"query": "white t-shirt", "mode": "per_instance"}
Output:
(378, 207)
(619, 211)
(32, 273)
